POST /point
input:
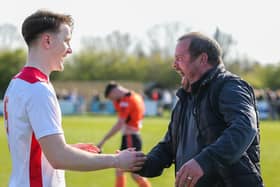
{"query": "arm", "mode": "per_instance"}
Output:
(237, 107)
(64, 156)
(45, 120)
(161, 156)
(157, 159)
(112, 131)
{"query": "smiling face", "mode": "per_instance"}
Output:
(59, 47)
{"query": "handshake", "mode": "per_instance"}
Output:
(130, 160)
(127, 160)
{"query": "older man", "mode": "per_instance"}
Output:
(213, 135)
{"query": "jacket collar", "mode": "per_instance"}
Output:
(207, 77)
(181, 93)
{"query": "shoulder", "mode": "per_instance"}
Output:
(227, 80)
(229, 85)
(236, 92)
(41, 94)
(232, 82)
(136, 96)
(42, 89)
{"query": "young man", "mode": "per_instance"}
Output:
(130, 108)
(33, 117)
(213, 135)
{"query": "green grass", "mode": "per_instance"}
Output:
(92, 129)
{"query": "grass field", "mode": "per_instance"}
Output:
(92, 129)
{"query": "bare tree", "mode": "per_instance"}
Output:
(139, 50)
(92, 43)
(225, 40)
(162, 37)
(116, 41)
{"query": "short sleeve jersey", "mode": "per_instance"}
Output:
(131, 108)
(31, 111)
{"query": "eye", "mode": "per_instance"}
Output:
(179, 58)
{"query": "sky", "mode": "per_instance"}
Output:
(253, 24)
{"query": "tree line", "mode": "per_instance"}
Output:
(119, 56)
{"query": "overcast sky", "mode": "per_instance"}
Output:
(254, 24)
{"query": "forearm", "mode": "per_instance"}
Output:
(70, 158)
(64, 156)
(230, 146)
(157, 159)
(161, 156)
(226, 150)
(111, 133)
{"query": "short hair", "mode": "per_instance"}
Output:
(203, 44)
(109, 88)
(43, 21)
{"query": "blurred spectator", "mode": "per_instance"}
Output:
(155, 95)
(166, 99)
(95, 96)
(262, 105)
(271, 99)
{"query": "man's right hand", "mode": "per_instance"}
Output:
(130, 160)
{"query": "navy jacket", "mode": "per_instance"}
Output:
(228, 133)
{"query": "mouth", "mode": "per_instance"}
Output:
(180, 72)
(63, 57)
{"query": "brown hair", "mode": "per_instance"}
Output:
(42, 21)
(202, 44)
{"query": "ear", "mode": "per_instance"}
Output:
(46, 40)
(203, 58)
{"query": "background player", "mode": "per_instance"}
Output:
(130, 108)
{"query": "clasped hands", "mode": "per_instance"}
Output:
(130, 160)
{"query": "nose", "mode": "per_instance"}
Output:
(175, 64)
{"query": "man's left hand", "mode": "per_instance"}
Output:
(188, 174)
